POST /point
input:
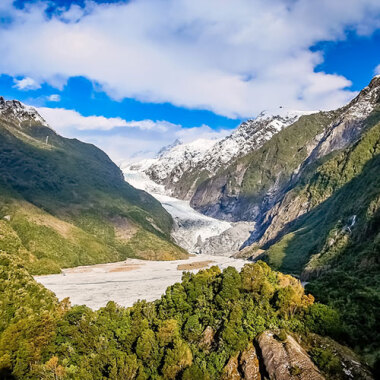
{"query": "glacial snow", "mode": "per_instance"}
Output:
(190, 225)
(194, 231)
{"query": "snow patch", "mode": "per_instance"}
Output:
(20, 111)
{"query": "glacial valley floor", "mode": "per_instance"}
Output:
(127, 281)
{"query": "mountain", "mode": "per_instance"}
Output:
(253, 325)
(65, 203)
(253, 184)
(182, 167)
(313, 191)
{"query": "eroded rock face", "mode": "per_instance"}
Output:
(207, 339)
(343, 131)
(286, 360)
(249, 364)
(231, 371)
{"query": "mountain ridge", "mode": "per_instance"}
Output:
(313, 192)
(55, 189)
(180, 167)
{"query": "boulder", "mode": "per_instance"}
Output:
(207, 338)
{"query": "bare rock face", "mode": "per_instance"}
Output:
(348, 127)
(231, 371)
(228, 241)
(243, 367)
(249, 364)
(286, 360)
(207, 339)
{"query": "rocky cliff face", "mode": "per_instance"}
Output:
(255, 182)
(344, 131)
(286, 360)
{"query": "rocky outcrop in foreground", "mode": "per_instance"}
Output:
(284, 358)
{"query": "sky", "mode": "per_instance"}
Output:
(132, 76)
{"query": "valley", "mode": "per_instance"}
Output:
(189, 190)
(128, 281)
(193, 231)
(175, 261)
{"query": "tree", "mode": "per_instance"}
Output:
(177, 359)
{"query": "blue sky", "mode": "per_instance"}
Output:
(132, 76)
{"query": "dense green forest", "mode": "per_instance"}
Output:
(41, 338)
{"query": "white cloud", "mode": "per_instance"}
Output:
(232, 57)
(54, 98)
(61, 119)
(26, 84)
(160, 125)
(123, 139)
(377, 70)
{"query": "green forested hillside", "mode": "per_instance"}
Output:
(314, 192)
(66, 203)
(199, 329)
(336, 245)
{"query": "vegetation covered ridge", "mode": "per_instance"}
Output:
(65, 203)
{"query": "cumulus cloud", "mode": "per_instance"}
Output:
(160, 125)
(54, 98)
(235, 58)
(377, 70)
(26, 84)
(61, 119)
(120, 138)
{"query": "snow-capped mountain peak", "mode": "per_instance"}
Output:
(20, 112)
(179, 160)
(169, 147)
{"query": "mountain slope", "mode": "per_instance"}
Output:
(335, 243)
(322, 221)
(313, 191)
(250, 187)
(67, 202)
